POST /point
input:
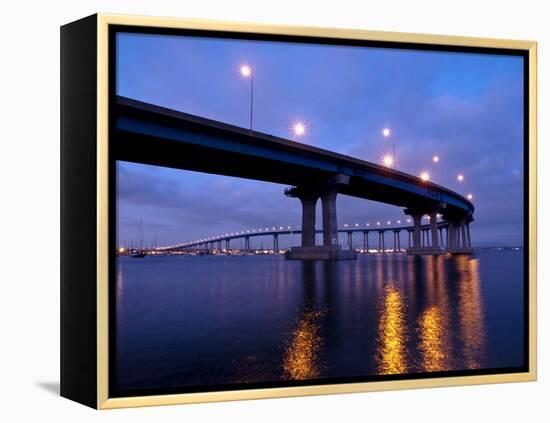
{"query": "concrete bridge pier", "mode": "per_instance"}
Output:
(463, 234)
(227, 244)
(308, 195)
(330, 222)
(366, 241)
(396, 240)
(247, 243)
(458, 236)
(425, 241)
(381, 244)
(433, 230)
(275, 243)
(350, 240)
(309, 201)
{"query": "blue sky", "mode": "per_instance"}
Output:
(465, 108)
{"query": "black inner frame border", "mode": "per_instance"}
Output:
(113, 392)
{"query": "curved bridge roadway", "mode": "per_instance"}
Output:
(146, 133)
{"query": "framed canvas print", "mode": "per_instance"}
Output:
(257, 211)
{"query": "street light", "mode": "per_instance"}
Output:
(470, 196)
(425, 176)
(388, 160)
(299, 128)
(435, 159)
(246, 72)
(460, 177)
(386, 132)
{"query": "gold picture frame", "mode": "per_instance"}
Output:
(103, 22)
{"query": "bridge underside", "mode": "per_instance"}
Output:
(137, 148)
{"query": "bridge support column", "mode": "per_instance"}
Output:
(247, 243)
(417, 222)
(275, 243)
(381, 243)
(440, 236)
(421, 236)
(350, 240)
(463, 234)
(433, 230)
(330, 250)
(458, 236)
(308, 220)
(366, 241)
(399, 240)
(452, 235)
(227, 244)
(330, 223)
(396, 240)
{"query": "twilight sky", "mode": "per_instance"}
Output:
(465, 108)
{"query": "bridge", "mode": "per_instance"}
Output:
(150, 134)
(223, 242)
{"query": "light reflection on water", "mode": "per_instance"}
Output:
(301, 359)
(218, 320)
(392, 332)
(431, 340)
(472, 319)
(434, 323)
